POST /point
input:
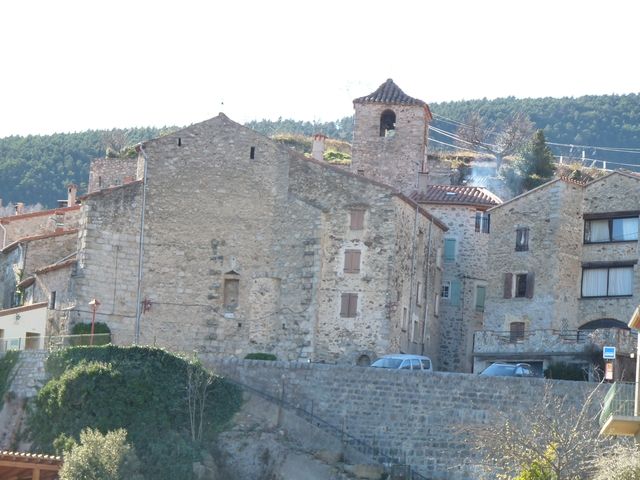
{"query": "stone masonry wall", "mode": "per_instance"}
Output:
(459, 316)
(108, 260)
(110, 172)
(30, 374)
(417, 417)
(39, 223)
(614, 193)
(397, 159)
(46, 251)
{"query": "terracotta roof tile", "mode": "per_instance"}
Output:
(389, 92)
(456, 195)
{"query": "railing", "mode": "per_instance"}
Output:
(551, 340)
(398, 469)
(618, 401)
(53, 342)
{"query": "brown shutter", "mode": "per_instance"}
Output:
(355, 261)
(508, 284)
(530, 281)
(344, 307)
(353, 304)
(357, 219)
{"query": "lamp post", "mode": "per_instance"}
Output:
(94, 304)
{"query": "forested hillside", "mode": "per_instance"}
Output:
(606, 127)
(37, 168)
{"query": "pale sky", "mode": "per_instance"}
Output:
(93, 64)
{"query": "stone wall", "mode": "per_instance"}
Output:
(111, 172)
(397, 159)
(45, 251)
(39, 223)
(460, 318)
(408, 416)
(29, 374)
(107, 267)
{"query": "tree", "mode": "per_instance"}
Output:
(535, 167)
(101, 457)
(556, 441)
(506, 138)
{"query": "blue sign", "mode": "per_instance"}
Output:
(609, 353)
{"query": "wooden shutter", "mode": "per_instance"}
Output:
(508, 284)
(454, 294)
(353, 304)
(344, 307)
(449, 249)
(357, 219)
(530, 281)
(352, 261)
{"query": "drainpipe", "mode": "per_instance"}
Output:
(426, 287)
(413, 267)
(4, 236)
(141, 249)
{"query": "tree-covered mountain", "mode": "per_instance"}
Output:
(36, 169)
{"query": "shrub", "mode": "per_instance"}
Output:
(142, 389)
(101, 457)
(102, 334)
(260, 356)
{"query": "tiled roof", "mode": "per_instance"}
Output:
(56, 211)
(389, 92)
(456, 195)
(57, 233)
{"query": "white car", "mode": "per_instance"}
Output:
(401, 361)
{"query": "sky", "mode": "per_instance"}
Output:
(78, 65)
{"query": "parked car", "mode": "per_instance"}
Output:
(401, 361)
(509, 370)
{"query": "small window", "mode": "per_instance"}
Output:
(482, 222)
(516, 332)
(446, 290)
(352, 261)
(521, 285)
(522, 239)
(449, 249)
(518, 285)
(387, 123)
(349, 305)
(481, 292)
(231, 291)
(357, 219)
(252, 153)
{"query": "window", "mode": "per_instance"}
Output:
(611, 230)
(252, 153)
(612, 281)
(352, 261)
(387, 123)
(230, 294)
(449, 249)
(481, 293)
(482, 222)
(446, 289)
(349, 306)
(357, 219)
(522, 239)
(516, 332)
(419, 294)
(518, 285)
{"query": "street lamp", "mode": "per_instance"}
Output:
(94, 304)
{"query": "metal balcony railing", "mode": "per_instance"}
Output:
(618, 401)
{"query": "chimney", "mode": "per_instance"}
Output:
(19, 208)
(72, 189)
(317, 151)
(423, 181)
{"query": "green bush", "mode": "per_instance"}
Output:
(101, 457)
(260, 356)
(7, 372)
(102, 334)
(141, 389)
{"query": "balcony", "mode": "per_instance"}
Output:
(550, 342)
(617, 416)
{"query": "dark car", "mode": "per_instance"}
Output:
(509, 370)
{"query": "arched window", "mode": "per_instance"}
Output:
(387, 123)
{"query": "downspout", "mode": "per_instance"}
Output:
(413, 267)
(426, 287)
(4, 236)
(141, 248)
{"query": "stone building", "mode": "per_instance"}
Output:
(564, 277)
(249, 246)
(464, 262)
